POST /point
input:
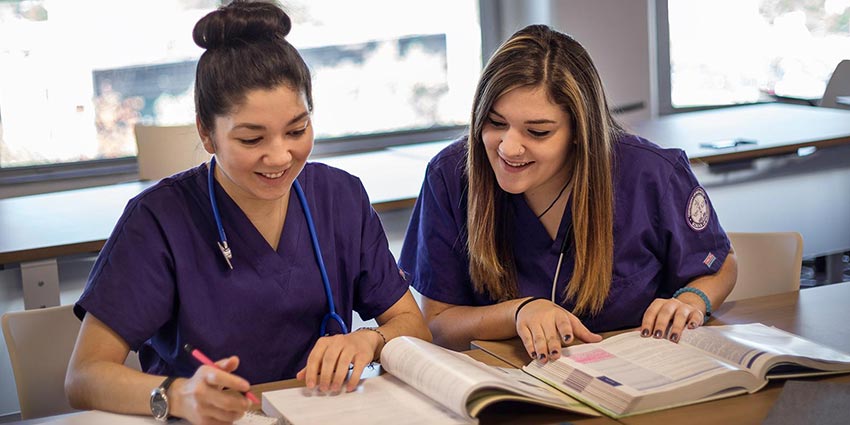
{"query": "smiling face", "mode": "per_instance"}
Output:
(262, 145)
(528, 141)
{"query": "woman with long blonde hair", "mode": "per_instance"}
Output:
(549, 222)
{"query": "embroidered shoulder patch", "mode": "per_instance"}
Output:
(698, 211)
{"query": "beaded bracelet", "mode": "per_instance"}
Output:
(701, 295)
(516, 314)
(375, 330)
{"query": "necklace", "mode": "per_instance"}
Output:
(555, 200)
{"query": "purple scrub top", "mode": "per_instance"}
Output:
(161, 281)
(666, 234)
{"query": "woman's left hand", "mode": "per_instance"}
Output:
(329, 361)
(668, 317)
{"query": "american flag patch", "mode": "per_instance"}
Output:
(709, 260)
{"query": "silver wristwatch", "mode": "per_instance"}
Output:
(159, 400)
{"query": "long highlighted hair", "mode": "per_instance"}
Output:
(538, 56)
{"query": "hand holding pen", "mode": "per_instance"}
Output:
(197, 354)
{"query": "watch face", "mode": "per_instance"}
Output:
(159, 404)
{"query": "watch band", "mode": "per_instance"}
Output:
(160, 408)
(167, 383)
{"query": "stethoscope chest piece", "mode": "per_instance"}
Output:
(225, 251)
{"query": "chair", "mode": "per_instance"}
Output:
(768, 263)
(163, 151)
(838, 86)
(40, 343)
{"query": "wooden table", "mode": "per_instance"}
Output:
(504, 413)
(819, 314)
(777, 128)
(37, 229)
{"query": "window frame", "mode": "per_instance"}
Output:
(665, 95)
(662, 41)
(490, 24)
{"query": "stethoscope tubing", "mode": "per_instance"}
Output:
(211, 186)
(317, 250)
(332, 314)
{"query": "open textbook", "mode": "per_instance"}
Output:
(627, 374)
(426, 384)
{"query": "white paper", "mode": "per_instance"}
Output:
(382, 400)
(96, 417)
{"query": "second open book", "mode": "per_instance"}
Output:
(620, 376)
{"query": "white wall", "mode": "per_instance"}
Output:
(619, 34)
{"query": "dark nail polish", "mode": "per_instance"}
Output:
(554, 352)
(674, 337)
(644, 333)
(534, 354)
(567, 338)
(658, 333)
(692, 325)
(542, 356)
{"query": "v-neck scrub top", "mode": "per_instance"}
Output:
(666, 234)
(161, 282)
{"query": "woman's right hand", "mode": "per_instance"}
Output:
(544, 326)
(202, 399)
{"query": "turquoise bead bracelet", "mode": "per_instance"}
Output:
(701, 295)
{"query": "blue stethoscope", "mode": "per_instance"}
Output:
(228, 254)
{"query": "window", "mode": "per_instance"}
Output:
(724, 52)
(76, 76)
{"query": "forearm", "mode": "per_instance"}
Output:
(98, 379)
(716, 287)
(402, 319)
(109, 386)
(405, 324)
(455, 327)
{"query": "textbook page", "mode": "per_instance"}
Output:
(484, 397)
(381, 400)
(759, 347)
(453, 379)
(628, 373)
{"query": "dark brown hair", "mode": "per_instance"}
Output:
(246, 49)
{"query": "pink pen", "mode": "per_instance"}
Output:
(194, 352)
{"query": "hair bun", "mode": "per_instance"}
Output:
(241, 22)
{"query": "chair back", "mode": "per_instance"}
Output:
(40, 343)
(838, 86)
(768, 263)
(163, 151)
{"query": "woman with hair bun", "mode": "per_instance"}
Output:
(256, 259)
